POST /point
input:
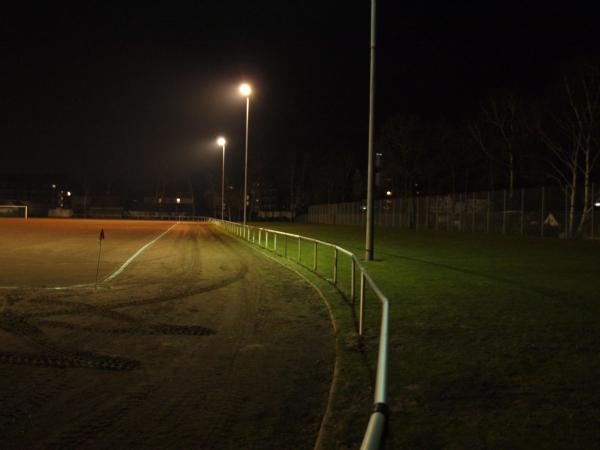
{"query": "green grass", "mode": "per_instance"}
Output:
(495, 341)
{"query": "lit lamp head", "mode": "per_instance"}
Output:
(245, 89)
(178, 200)
(221, 141)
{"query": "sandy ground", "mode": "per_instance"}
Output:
(55, 252)
(200, 343)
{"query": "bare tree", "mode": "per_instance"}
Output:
(402, 145)
(571, 135)
(496, 133)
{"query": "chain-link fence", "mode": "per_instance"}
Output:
(536, 211)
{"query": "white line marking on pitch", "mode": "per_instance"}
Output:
(135, 255)
(107, 279)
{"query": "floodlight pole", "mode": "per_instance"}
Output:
(246, 159)
(370, 231)
(223, 185)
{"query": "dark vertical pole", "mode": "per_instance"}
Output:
(370, 237)
(542, 215)
(504, 212)
(522, 211)
(593, 211)
(246, 159)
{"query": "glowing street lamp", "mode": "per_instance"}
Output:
(221, 141)
(246, 90)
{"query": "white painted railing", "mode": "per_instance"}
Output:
(267, 239)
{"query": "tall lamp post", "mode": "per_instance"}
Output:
(370, 231)
(246, 90)
(221, 141)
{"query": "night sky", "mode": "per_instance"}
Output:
(143, 89)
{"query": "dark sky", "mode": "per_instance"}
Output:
(135, 89)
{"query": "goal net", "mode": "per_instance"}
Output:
(13, 211)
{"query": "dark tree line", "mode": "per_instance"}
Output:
(511, 141)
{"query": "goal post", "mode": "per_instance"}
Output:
(13, 211)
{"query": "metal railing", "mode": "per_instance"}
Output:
(268, 239)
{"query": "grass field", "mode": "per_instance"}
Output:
(494, 340)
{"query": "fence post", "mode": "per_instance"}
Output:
(259, 237)
(437, 208)
(568, 230)
(285, 246)
(522, 211)
(335, 265)
(417, 218)
(352, 279)
(299, 251)
(488, 212)
(275, 242)
(593, 212)
(266, 239)
(448, 220)
(542, 218)
(400, 208)
(504, 212)
(361, 314)
(473, 214)
(463, 219)
(315, 256)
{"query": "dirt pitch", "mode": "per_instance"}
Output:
(200, 342)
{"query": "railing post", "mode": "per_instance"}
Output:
(352, 279)
(299, 251)
(259, 237)
(285, 247)
(335, 266)
(361, 313)
(275, 242)
(266, 239)
(315, 256)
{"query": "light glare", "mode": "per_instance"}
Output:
(245, 89)
(221, 141)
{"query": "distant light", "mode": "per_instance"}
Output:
(245, 89)
(159, 199)
(364, 208)
(68, 193)
(388, 193)
(597, 204)
(53, 186)
(221, 141)
(178, 200)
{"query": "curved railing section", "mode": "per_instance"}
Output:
(268, 239)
